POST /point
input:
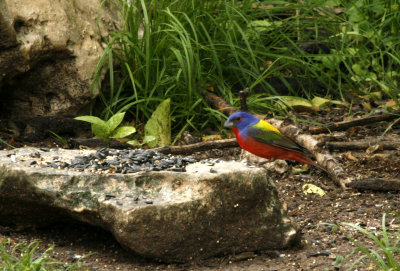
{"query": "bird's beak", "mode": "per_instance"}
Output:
(228, 124)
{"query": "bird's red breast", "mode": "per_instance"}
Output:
(269, 151)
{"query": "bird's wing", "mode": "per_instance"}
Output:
(263, 132)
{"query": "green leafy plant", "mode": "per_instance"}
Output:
(109, 129)
(294, 48)
(146, 140)
(159, 125)
(23, 257)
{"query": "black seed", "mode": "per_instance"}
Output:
(99, 155)
(150, 153)
(34, 154)
(53, 165)
(79, 160)
(109, 196)
(33, 163)
(179, 162)
(135, 168)
(113, 152)
(104, 151)
(213, 170)
(113, 162)
(148, 201)
(124, 152)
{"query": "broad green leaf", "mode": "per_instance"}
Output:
(100, 131)
(331, 61)
(123, 132)
(114, 121)
(313, 189)
(358, 69)
(92, 119)
(148, 139)
(297, 103)
(134, 143)
(159, 125)
(320, 102)
(264, 25)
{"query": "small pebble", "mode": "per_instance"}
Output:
(212, 170)
(148, 201)
(76, 258)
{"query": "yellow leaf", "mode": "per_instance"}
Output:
(296, 103)
(211, 137)
(320, 102)
(313, 189)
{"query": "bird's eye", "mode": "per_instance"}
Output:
(238, 118)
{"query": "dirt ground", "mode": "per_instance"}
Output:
(323, 242)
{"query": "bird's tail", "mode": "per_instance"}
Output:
(300, 157)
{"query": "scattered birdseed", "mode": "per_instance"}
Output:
(123, 161)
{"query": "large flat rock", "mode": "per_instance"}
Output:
(169, 216)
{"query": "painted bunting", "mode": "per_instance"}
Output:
(263, 139)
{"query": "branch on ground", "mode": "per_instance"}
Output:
(363, 145)
(201, 146)
(377, 184)
(344, 125)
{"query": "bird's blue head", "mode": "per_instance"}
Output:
(240, 120)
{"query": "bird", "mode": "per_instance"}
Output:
(261, 138)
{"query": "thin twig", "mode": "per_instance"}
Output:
(362, 145)
(243, 99)
(201, 146)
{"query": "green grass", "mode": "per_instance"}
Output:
(383, 256)
(165, 49)
(25, 257)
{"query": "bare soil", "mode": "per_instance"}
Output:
(317, 217)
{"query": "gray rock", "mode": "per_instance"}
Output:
(194, 214)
